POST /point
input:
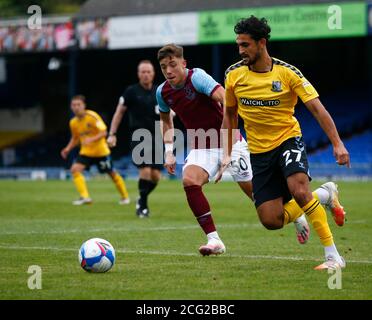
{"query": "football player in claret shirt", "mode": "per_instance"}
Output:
(197, 99)
(89, 131)
(264, 91)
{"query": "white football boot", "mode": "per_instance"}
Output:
(82, 201)
(124, 201)
(214, 246)
(332, 263)
(333, 203)
(302, 229)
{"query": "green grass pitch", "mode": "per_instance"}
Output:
(157, 258)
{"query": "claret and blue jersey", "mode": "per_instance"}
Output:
(192, 101)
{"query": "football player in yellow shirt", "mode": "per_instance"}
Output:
(89, 131)
(264, 90)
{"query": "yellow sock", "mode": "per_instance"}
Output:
(120, 185)
(80, 184)
(315, 195)
(318, 218)
(291, 211)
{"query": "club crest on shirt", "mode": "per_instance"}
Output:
(190, 93)
(276, 86)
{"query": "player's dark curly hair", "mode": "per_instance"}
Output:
(256, 28)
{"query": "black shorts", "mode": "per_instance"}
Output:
(271, 170)
(148, 154)
(104, 164)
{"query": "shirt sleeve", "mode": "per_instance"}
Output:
(100, 125)
(302, 87)
(74, 132)
(203, 82)
(163, 107)
(97, 121)
(230, 99)
(125, 98)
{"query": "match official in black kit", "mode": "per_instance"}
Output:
(140, 101)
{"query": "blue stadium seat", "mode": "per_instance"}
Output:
(322, 162)
(351, 112)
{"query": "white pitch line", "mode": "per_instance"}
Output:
(185, 254)
(136, 229)
(133, 229)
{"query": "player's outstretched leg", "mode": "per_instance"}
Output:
(299, 220)
(193, 179)
(298, 184)
(327, 195)
(80, 184)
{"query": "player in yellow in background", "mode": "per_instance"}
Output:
(264, 91)
(89, 131)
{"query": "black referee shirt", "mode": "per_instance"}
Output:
(142, 106)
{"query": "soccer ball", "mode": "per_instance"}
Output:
(96, 255)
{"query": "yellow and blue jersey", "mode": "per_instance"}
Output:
(88, 126)
(266, 102)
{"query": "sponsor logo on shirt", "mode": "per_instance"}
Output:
(259, 103)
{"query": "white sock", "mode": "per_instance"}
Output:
(332, 251)
(213, 235)
(323, 195)
(301, 219)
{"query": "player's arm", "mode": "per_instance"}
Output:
(74, 142)
(229, 120)
(115, 122)
(166, 123)
(326, 122)
(172, 114)
(229, 124)
(101, 134)
(101, 128)
(310, 98)
(167, 129)
(219, 96)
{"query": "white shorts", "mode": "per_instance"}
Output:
(210, 160)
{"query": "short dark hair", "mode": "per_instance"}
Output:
(256, 28)
(170, 50)
(79, 97)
